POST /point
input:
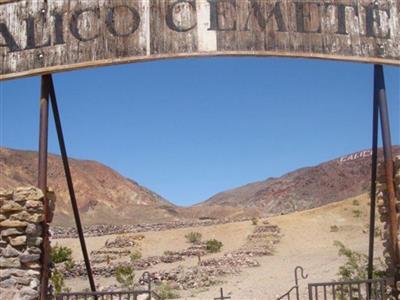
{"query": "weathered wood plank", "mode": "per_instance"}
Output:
(49, 36)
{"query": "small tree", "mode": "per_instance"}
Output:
(213, 246)
(125, 275)
(254, 221)
(193, 237)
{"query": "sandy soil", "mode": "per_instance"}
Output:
(307, 241)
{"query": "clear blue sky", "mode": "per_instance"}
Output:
(188, 129)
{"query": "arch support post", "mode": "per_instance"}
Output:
(42, 183)
(48, 95)
(381, 112)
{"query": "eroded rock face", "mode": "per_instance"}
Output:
(20, 248)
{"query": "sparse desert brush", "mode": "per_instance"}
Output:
(355, 267)
(214, 246)
(69, 265)
(378, 232)
(356, 202)
(60, 254)
(125, 275)
(193, 237)
(57, 281)
(135, 255)
(254, 221)
(334, 228)
(165, 291)
(357, 213)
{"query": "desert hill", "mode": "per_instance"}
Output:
(106, 197)
(103, 195)
(305, 188)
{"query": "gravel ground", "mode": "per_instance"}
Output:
(307, 241)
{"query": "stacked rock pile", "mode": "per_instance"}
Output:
(262, 241)
(108, 229)
(199, 249)
(121, 242)
(20, 245)
(206, 274)
(232, 260)
(108, 270)
(397, 187)
(115, 248)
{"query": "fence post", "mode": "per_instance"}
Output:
(310, 297)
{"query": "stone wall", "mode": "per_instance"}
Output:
(21, 215)
(382, 203)
(397, 187)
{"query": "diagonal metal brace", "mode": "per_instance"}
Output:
(64, 156)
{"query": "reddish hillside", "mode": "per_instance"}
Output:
(106, 197)
(305, 188)
(103, 195)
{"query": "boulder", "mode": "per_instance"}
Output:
(34, 241)
(11, 231)
(27, 293)
(9, 251)
(8, 283)
(10, 206)
(33, 265)
(6, 273)
(34, 205)
(21, 216)
(9, 262)
(13, 224)
(18, 241)
(6, 194)
(33, 229)
(34, 284)
(27, 193)
(27, 257)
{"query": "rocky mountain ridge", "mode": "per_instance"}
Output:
(106, 197)
(103, 195)
(305, 188)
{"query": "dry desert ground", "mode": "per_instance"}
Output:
(307, 240)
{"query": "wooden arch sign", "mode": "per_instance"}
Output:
(38, 36)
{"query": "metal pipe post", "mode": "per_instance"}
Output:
(42, 182)
(374, 164)
(64, 156)
(389, 169)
